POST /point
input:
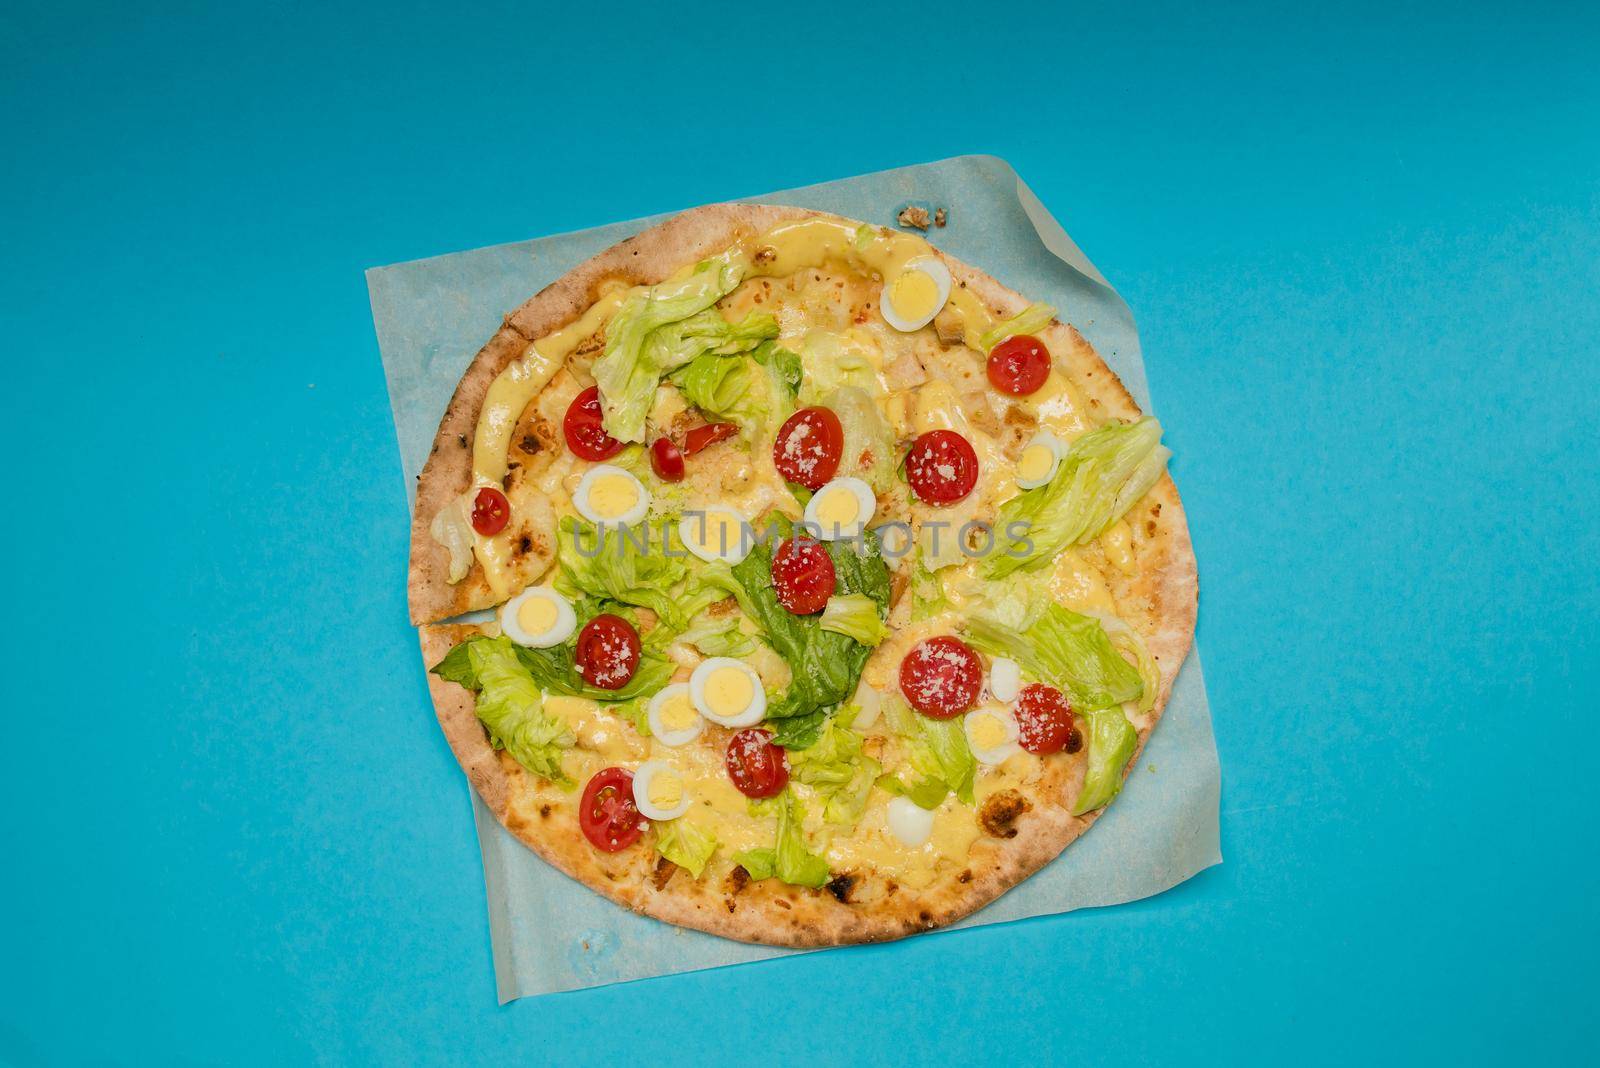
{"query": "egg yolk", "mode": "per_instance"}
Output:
(536, 615)
(838, 508)
(677, 713)
(613, 495)
(719, 532)
(1036, 461)
(728, 691)
(914, 294)
(666, 789)
(987, 731)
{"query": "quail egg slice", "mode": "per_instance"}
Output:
(674, 721)
(991, 734)
(611, 496)
(716, 533)
(1040, 457)
(728, 692)
(913, 297)
(909, 822)
(841, 509)
(1005, 679)
(660, 790)
(538, 617)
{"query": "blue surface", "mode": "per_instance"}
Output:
(1365, 253)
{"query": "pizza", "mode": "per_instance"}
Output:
(779, 575)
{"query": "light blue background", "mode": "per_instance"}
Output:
(1364, 248)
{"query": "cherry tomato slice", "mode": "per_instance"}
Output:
(666, 459)
(1044, 719)
(802, 575)
(941, 677)
(808, 448)
(490, 512)
(607, 813)
(757, 767)
(702, 436)
(607, 654)
(1019, 365)
(586, 436)
(941, 467)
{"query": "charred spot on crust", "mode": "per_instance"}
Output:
(663, 872)
(738, 879)
(544, 812)
(525, 545)
(890, 887)
(925, 917)
(1000, 812)
(530, 444)
(965, 876)
(840, 886)
(783, 903)
(462, 438)
(765, 254)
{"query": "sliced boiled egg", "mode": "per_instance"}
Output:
(538, 617)
(1040, 457)
(673, 718)
(913, 297)
(728, 692)
(611, 496)
(909, 822)
(841, 509)
(991, 734)
(716, 533)
(660, 790)
(1005, 679)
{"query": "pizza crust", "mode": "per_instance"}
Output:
(1164, 588)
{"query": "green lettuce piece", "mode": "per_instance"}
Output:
(940, 761)
(718, 637)
(1102, 476)
(927, 593)
(1030, 320)
(869, 450)
(510, 705)
(622, 564)
(836, 768)
(1111, 743)
(825, 666)
(854, 615)
(788, 860)
(662, 328)
(685, 844)
(1129, 644)
(830, 366)
(1066, 650)
(756, 391)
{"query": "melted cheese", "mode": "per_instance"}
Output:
(1077, 584)
(1117, 542)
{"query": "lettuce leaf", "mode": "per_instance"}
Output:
(1066, 650)
(869, 450)
(1030, 320)
(756, 391)
(626, 565)
(788, 860)
(939, 760)
(854, 615)
(662, 328)
(837, 769)
(824, 666)
(1102, 476)
(510, 705)
(1129, 644)
(1111, 743)
(686, 844)
(718, 637)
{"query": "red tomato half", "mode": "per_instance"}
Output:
(490, 512)
(941, 467)
(1044, 719)
(607, 813)
(608, 652)
(666, 459)
(809, 446)
(757, 767)
(802, 575)
(703, 436)
(941, 677)
(586, 436)
(1019, 365)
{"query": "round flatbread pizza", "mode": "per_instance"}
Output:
(834, 586)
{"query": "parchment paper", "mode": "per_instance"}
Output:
(550, 933)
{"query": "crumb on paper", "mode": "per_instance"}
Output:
(939, 218)
(913, 216)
